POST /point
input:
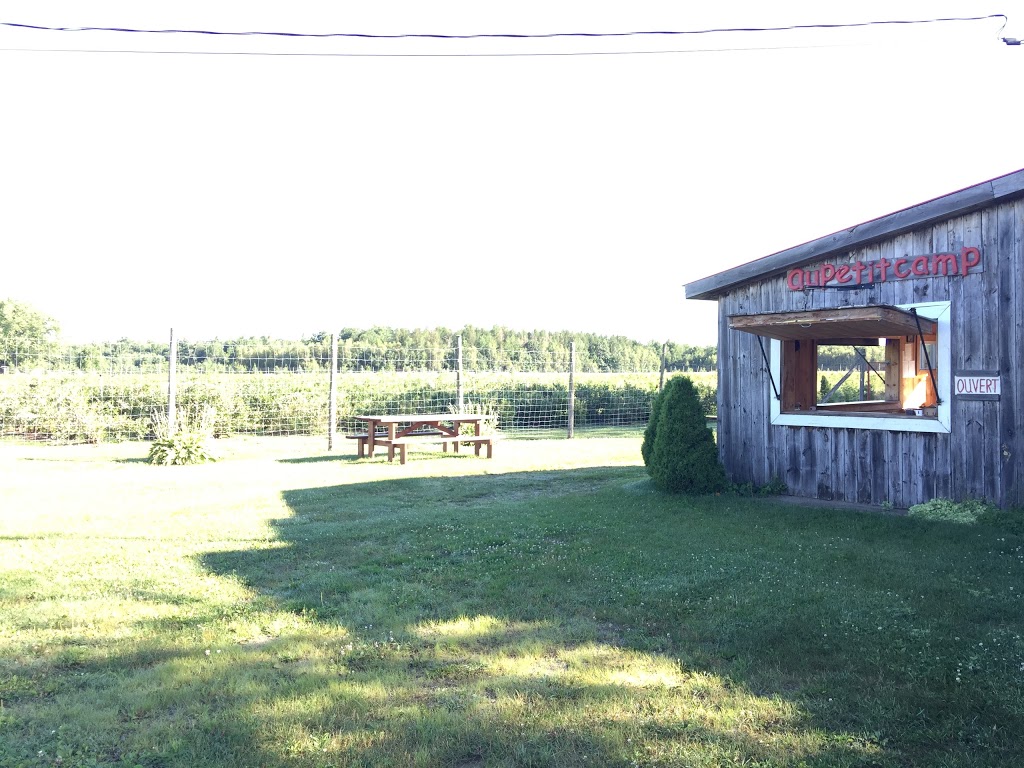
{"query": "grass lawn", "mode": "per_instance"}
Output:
(285, 607)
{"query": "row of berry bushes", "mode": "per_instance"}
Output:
(94, 408)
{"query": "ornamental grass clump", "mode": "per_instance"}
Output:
(187, 442)
(678, 448)
(489, 426)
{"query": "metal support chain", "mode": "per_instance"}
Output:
(768, 365)
(927, 361)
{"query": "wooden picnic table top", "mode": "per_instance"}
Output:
(403, 418)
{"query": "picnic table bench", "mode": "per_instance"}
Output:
(402, 443)
(380, 437)
(399, 431)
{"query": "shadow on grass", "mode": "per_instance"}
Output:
(327, 457)
(711, 587)
(456, 703)
(379, 457)
(562, 618)
(500, 697)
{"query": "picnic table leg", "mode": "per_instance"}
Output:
(371, 427)
(401, 452)
(391, 436)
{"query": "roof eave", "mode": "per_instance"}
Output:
(875, 321)
(957, 203)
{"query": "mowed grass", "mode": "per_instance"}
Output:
(286, 607)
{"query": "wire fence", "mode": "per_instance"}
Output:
(122, 393)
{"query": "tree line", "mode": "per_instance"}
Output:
(29, 339)
(398, 349)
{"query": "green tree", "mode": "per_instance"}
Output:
(26, 334)
(683, 457)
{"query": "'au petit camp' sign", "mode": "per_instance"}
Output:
(861, 273)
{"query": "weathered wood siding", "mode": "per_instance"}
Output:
(982, 457)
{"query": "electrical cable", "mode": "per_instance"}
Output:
(422, 55)
(509, 36)
(506, 35)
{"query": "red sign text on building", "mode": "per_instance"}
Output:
(964, 385)
(883, 269)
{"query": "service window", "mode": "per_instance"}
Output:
(866, 373)
(875, 367)
(888, 375)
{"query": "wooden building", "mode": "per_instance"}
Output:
(931, 299)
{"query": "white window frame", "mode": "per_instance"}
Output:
(936, 310)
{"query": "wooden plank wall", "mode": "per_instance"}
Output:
(983, 457)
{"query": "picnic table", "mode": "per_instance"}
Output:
(399, 431)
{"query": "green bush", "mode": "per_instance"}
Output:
(774, 487)
(970, 512)
(708, 395)
(98, 407)
(651, 432)
(965, 512)
(681, 455)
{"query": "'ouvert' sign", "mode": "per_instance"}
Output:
(977, 385)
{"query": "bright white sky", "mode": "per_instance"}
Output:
(228, 195)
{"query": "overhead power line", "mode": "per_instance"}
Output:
(480, 36)
(506, 35)
(510, 55)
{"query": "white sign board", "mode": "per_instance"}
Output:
(977, 385)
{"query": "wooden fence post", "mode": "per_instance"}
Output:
(661, 379)
(172, 367)
(458, 372)
(572, 389)
(332, 403)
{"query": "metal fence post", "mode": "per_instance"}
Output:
(572, 388)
